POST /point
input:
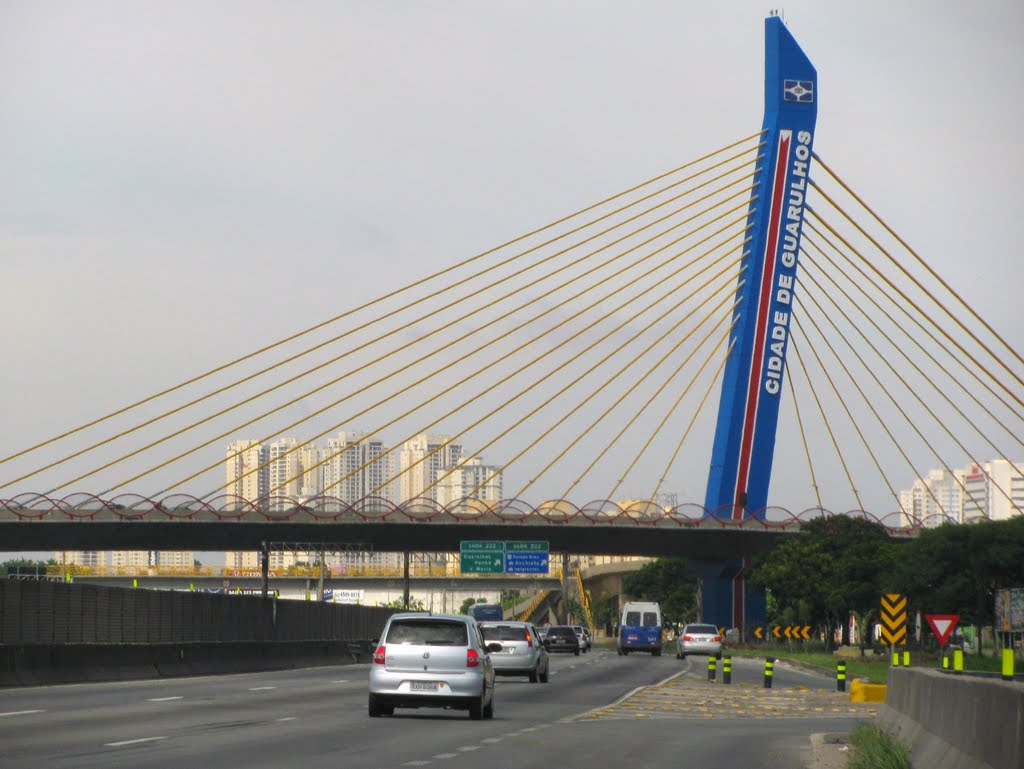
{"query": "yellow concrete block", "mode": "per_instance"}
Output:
(862, 692)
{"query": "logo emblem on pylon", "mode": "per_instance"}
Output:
(798, 90)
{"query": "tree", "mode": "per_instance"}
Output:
(669, 582)
(464, 609)
(956, 569)
(835, 565)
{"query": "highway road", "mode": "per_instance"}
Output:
(599, 710)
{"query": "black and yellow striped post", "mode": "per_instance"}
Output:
(769, 671)
(711, 668)
(840, 676)
(727, 669)
(1007, 670)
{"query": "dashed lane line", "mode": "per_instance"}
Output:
(21, 713)
(164, 699)
(140, 740)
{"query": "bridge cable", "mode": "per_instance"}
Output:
(941, 391)
(616, 403)
(869, 404)
(693, 419)
(903, 381)
(928, 293)
(932, 272)
(390, 353)
(821, 410)
(652, 304)
(580, 378)
(938, 342)
(675, 405)
(608, 444)
(437, 311)
(803, 435)
(577, 314)
(366, 305)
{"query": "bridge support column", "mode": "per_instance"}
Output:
(405, 590)
(264, 567)
(565, 593)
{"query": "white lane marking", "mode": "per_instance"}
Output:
(286, 718)
(21, 713)
(528, 729)
(260, 688)
(163, 699)
(468, 748)
(446, 755)
(416, 763)
(132, 742)
(342, 681)
(492, 740)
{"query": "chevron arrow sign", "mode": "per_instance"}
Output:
(894, 619)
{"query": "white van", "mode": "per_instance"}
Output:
(640, 628)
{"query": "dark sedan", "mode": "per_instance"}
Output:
(562, 638)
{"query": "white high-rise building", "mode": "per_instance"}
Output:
(284, 473)
(357, 467)
(932, 500)
(993, 490)
(420, 459)
(470, 478)
(81, 557)
(312, 483)
(246, 477)
(242, 560)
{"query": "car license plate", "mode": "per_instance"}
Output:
(423, 686)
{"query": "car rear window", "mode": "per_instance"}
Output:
(702, 629)
(503, 632)
(562, 630)
(427, 632)
(633, 618)
(650, 619)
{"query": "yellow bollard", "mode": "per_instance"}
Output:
(945, 662)
(1007, 665)
(895, 659)
(906, 659)
(958, 661)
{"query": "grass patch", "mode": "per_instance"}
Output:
(874, 748)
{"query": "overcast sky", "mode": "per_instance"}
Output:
(181, 183)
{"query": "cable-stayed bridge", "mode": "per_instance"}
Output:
(625, 348)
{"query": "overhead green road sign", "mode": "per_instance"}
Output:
(482, 563)
(497, 557)
(481, 546)
(529, 546)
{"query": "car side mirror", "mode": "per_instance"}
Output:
(494, 646)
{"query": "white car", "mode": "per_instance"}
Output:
(432, 660)
(522, 650)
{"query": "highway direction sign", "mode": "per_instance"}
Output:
(499, 557)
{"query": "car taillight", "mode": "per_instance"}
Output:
(378, 656)
(687, 637)
(717, 639)
(472, 658)
(529, 640)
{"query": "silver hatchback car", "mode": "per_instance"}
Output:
(432, 660)
(522, 650)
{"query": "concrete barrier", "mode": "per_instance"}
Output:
(955, 722)
(36, 664)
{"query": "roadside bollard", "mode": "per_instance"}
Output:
(895, 659)
(958, 661)
(945, 663)
(769, 669)
(1007, 665)
(840, 676)
(906, 659)
(727, 669)
(711, 668)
